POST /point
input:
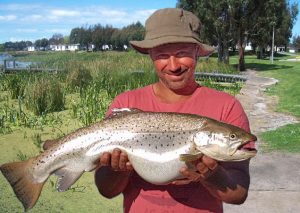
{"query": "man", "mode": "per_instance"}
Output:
(173, 43)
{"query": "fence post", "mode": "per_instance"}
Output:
(4, 65)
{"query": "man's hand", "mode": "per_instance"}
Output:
(205, 166)
(117, 160)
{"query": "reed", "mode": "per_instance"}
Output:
(44, 95)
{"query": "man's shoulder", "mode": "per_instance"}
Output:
(211, 93)
(139, 92)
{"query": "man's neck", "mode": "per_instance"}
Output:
(166, 95)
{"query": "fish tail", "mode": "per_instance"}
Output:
(20, 180)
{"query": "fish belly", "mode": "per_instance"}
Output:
(156, 172)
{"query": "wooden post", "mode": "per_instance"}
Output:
(4, 65)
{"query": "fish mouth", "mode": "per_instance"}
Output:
(248, 148)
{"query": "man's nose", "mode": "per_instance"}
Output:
(173, 64)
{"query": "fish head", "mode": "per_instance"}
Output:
(224, 142)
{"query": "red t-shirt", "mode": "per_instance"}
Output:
(141, 196)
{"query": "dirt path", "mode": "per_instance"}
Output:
(275, 177)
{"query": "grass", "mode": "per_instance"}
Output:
(286, 138)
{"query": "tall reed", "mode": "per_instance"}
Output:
(44, 95)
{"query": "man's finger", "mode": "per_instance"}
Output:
(181, 182)
(202, 168)
(105, 159)
(209, 162)
(190, 175)
(129, 166)
(123, 161)
(115, 159)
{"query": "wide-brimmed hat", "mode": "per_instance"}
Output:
(172, 25)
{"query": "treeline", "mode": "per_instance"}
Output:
(96, 35)
(234, 23)
(100, 35)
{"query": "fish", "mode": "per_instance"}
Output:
(158, 144)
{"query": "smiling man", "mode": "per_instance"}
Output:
(172, 41)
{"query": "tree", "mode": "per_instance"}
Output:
(296, 42)
(1, 47)
(235, 22)
(243, 18)
(75, 35)
(277, 14)
(82, 36)
(56, 39)
(66, 39)
(97, 36)
(216, 23)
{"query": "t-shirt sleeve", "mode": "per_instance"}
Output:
(236, 115)
(120, 101)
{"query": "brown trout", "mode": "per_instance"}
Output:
(157, 144)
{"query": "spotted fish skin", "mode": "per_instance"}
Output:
(154, 143)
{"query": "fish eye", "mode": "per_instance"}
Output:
(232, 136)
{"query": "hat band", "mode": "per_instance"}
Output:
(167, 31)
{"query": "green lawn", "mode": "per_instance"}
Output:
(286, 138)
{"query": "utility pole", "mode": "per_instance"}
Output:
(272, 54)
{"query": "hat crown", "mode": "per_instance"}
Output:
(171, 25)
(172, 22)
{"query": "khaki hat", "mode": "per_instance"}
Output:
(171, 25)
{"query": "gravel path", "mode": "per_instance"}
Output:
(275, 177)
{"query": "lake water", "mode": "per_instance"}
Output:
(18, 64)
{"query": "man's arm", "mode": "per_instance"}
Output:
(113, 175)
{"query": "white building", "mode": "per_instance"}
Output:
(64, 47)
(31, 48)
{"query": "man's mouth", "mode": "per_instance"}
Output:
(177, 73)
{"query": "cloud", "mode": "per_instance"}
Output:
(64, 13)
(26, 30)
(8, 18)
(32, 18)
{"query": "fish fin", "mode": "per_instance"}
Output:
(20, 180)
(66, 178)
(49, 143)
(190, 157)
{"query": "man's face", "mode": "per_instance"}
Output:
(175, 64)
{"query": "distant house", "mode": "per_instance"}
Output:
(248, 46)
(64, 47)
(292, 50)
(105, 47)
(31, 48)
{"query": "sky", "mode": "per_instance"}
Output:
(33, 19)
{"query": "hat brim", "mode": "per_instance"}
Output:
(144, 45)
